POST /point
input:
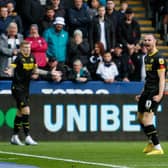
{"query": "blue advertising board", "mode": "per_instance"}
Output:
(67, 87)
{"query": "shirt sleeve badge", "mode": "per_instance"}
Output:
(161, 61)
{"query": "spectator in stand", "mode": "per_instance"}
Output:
(95, 59)
(57, 39)
(102, 30)
(31, 12)
(78, 18)
(120, 60)
(130, 64)
(107, 70)
(48, 19)
(138, 61)
(55, 71)
(9, 47)
(129, 31)
(78, 49)
(79, 74)
(4, 19)
(122, 10)
(59, 11)
(38, 46)
(112, 14)
(92, 8)
(15, 17)
(65, 3)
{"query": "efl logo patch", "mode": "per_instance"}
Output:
(161, 61)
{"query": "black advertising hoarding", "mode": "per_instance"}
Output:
(81, 117)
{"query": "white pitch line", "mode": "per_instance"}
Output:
(62, 159)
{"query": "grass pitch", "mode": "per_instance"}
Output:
(94, 155)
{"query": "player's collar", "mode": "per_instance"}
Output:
(153, 53)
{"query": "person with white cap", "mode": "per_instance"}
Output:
(57, 39)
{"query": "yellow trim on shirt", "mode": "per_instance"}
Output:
(153, 53)
(13, 65)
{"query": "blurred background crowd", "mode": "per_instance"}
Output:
(79, 40)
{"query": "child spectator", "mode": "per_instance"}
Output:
(107, 69)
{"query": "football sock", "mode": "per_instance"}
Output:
(151, 132)
(26, 124)
(17, 124)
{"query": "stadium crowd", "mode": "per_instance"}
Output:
(74, 40)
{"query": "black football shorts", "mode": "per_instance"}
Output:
(146, 102)
(21, 96)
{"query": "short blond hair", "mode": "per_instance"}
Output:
(24, 42)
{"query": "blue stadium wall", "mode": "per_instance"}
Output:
(92, 111)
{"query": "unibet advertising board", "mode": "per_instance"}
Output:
(81, 117)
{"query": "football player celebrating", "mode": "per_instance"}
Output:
(152, 94)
